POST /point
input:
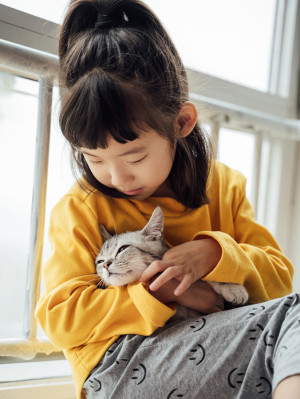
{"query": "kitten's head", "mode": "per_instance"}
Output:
(123, 257)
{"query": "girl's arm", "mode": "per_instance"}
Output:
(237, 250)
(187, 262)
(251, 257)
(198, 296)
(72, 310)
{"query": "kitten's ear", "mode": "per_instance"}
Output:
(155, 227)
(104, 233)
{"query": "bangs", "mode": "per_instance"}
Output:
(99, 107)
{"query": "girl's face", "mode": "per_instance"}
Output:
(138, 168)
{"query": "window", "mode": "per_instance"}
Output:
(20, 161)
(227, 46)
(251, 114)
(236, 149)
(17, 163)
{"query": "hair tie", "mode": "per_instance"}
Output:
(103, 21)
(109, 21)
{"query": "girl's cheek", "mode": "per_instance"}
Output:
(99, 176)
(97, 171)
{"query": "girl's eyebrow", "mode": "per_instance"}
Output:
(87, 153)
(134, 151)
(129, 152)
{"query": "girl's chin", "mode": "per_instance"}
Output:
(133, 192)
(139, 197)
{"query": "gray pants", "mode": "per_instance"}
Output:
(239, 353)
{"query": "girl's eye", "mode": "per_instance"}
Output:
(121, 249)
(90, 161)
(139, 160)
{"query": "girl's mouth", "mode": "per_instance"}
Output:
(133, 192)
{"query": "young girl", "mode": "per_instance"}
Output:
(137, 144)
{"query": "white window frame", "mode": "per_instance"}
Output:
(272, 117)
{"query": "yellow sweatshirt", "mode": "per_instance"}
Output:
(84, 321)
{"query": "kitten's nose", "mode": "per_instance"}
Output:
(106, 265)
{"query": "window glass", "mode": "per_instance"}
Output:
(229, 39)
(236, 149)
(18, 116)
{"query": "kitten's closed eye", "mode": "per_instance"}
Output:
(122, 248)
(99, 261)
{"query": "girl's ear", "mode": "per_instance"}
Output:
(186, 119)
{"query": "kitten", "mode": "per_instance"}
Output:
(123, 258)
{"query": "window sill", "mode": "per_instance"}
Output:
(58, 388)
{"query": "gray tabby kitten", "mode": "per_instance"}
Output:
(123, 258)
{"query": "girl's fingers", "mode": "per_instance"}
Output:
(154, 268)
(184, 285)
(168, 274)
(201, 297)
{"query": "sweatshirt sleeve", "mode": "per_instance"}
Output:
(250, 254)
(73, 311)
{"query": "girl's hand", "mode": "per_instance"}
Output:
(199, 296)
(187, 263)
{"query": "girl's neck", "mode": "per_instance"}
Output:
(164, 191)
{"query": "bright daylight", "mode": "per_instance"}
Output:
(150, 199)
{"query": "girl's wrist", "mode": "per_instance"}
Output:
(165, 293)
(214, 249)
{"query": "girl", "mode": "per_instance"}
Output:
(137, 144)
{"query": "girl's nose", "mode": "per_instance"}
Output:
(120, 178)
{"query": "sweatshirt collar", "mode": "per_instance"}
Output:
(169, 206)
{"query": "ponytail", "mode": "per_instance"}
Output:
(120, 70)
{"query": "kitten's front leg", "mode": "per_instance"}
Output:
(231, 292)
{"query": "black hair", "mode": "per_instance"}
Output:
(119, 70)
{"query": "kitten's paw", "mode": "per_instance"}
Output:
(232, 293)
(236, 294)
